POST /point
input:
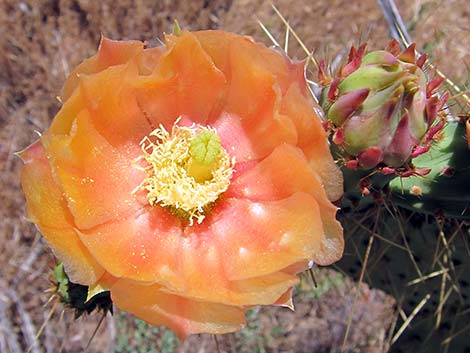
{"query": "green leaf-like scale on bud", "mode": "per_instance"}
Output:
(440, 191)
(363, 131)
(381, 57)
(399, 150)
(346, 105)
(378, 98)
(372, 77)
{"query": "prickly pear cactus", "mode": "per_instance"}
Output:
(406, 167)
(446, 189)
(382, 109)
(423, 261)
(417, 234)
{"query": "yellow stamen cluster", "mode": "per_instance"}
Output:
(187, 170)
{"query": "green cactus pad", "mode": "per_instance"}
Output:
(447, 188)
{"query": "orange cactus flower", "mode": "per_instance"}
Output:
(192, 180)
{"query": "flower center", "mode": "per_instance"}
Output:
(187, 170)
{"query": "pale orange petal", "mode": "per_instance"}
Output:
(283, 173)
(48, 209)
(259, 238)
(184, 316)
(151, 247)
(218, 44)
(145, 246)
(110, 53)
(312, 139)
(97, 179)
(112, 104)
(185, 82)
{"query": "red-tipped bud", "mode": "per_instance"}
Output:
(408, 55)
(323, 79)
(393, 47)
(352, 164)
(352, 53)
(421, 60)
(387, 170)
(422, 171)
(432, 85)
(333, 90)
(419, 150)
(434, 130)
(354, 62)
(386, 108)
(431, 109)
(407, 173)
(338, 137)
(346, 105)
(443, 101)
(370, 157)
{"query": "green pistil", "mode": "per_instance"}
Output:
(205, 150)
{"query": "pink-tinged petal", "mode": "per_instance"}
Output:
(184, 316)
(254, 97)
(234, 139)
(312, 139)
(146, 246)
(259, 238)
(110, 53)
(97, 179)
(237, 142)
(48, 209)
(280, 175)
(204, 276)
(151, 247)
(185, 82)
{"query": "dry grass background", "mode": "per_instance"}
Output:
(40, 41)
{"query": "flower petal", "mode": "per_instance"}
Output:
(259, 238)
(97, 179)
(234, 139)
(111, 101)
(185, 82)
(114, 110)
(280, 175)
(110, 53)
(204, 277)
(144, 246)
(48, 209)
(218, 45)
(151, 247)
(184, 316)
(312, 139)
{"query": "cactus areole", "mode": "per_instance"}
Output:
(381, 108)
